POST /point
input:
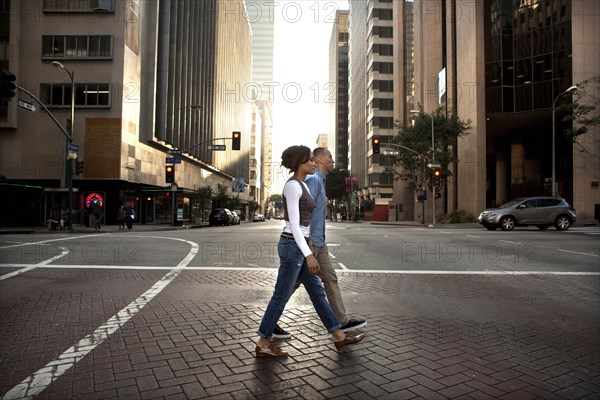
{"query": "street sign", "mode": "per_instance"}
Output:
(432, 165)
(26, 105)
(71, 155)
(73, 147)
(173, 160)
(216, 147)
(176, 152)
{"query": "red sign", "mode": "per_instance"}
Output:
(94, 198)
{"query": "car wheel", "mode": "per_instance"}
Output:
(562, 223)
(543, 227)
(491, 227)
(507, 223)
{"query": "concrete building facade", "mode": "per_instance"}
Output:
(151, 77)
(371, 101)
(506, 65)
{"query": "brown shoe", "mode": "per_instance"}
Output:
(351, 338)
(271, 351)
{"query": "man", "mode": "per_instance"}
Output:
(316, 186)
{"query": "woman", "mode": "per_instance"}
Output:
(297, 260)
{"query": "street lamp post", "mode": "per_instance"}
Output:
(432, 162)
(69, 140)
(570, 89)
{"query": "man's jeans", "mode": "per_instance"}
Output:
(293, 267)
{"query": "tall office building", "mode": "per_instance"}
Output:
(371, 100)
(506, 66)
(150, 77)
(338, 79)
(261, 15)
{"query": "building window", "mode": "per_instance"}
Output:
(86, 95)
(383, 49)
(79, 6)
(58, 46)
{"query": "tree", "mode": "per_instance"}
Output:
(222, 198)
(413, 153)
(335, 185)
(205, 194)
(277, 201)
(582, 111)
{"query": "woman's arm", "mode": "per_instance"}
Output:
(293, 192)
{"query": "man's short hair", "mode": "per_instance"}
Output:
(319, 151)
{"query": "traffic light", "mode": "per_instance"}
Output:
(170, 174)
(78, 167)
(235, 138)
(438, 195)
(7, 86)
(436, 177)
(376, 149)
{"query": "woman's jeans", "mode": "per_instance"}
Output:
(293, 267)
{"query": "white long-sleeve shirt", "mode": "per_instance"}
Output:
(293, 192)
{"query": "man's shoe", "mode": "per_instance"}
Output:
(279, 333)
(351, 338)
(354, 324)
(272, 351)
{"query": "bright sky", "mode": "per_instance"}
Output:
(302, 34)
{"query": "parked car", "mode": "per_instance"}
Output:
(220, 216)
(535, 211)
(258, 218)
(236, 218)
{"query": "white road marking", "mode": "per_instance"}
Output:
(342, 266)
(508, 241)
(579, 252)
(41, 379)
(63, 253)
(473, 236)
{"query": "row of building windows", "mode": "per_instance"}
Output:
(383, 67)
(537, 96)
(382, 86)
(383, 14)
(61, 46)
(537, 69)
(79, 5)
(86, 95)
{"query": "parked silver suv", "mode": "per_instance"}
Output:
(537, 211)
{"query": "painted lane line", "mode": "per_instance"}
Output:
(473, 236)
(64, 252)
(579, 252)
(52, 240)
(342, 266)
(508, 241)
(41, 379)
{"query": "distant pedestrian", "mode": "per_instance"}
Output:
(97, 212)
(64, 217)
(296, 259)
(129, 215)
(121, 217)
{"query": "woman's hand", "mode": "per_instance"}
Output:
(313, 265)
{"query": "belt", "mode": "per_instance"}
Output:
(290, 236)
